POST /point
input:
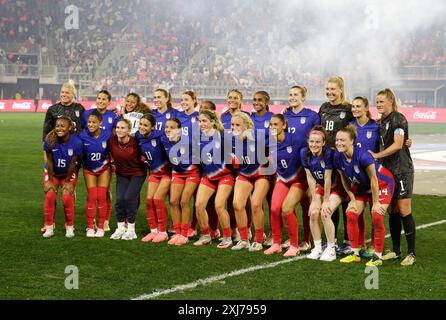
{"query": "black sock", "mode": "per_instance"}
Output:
(409, 230)
(344, 216)
(335, 219)
(395, 231)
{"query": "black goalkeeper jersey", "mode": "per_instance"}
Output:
(334, 118)
(401, 161)
(74, 111)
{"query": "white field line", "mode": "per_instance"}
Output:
(223, 276)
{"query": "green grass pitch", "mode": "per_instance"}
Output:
(34, 268)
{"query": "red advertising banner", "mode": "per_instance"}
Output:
(43, 105)
(17, 106)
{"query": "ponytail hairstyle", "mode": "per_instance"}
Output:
(141, 107)
(238, 92)
(320, 130)
(351, 130)
(303, 90)
(339, 81)
(282, 118)
(213, 116)
(390, 95)
(365, 101)
(168, 96)
(51, 137)
(149, 117)
(266, 96)
(70, 85)
(191, 94)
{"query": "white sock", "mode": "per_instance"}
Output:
(331, 245)
(131, 227)
(318, 244)
(121, 225)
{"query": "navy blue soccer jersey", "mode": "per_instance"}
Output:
(212, 153)
(317, 165)
(161, 118)
(63, 153)
(286, 156)
(189, 123)
(300, 124)
(153, 152)
(261, 122)
(183, 155)
(333, 118)
(355, 170)
(226, 119)
(95, 155)
(109, 120)
(368, 135)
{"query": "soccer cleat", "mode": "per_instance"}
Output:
(117, 234)
(390, 255)
(90, 233)
(286, 244)
(374, 262)
(344, 249)
(409, 260)
(255, 246)
(191, 232)
(149, 237)
(304, 246)
(173, 239)
(215, 234)
(69, 233)
(181, 240)
(129, 235)
(236, 235)
(225, 243)
(43, 229)
(352, 257)
(275, 248)
(204, 240)
(315, 254)
(292, 251)
(106, 225)
(366, 254)
(329, 254)
(268, 241)
(49, 232)
(160, 237)
(99, 233)
(242, 244)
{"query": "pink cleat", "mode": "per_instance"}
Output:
(292, 252)
(215, 234)
(174, 239)
(181, 240)
(149, 237)
(191, 232)
(160, 237)
(275, 248)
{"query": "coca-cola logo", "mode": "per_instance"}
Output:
(2, 105)
(21, 105)
(45, 105)
(427, 115)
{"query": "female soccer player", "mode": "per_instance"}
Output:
(96, 164)
(395, 156)
(164, 111)
(188, 117)
(248, 154)
(149, 141)
(317, 159)
(300, 121)
(130, 175)
(134, 110)
(217, 178)
(364, 180)
(287, 192)
(335, 114)
(183, 153)
(62, 151)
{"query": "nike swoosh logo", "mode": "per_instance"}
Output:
(55, 150)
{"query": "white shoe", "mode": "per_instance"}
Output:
(106, 225)
(329, 254)
(69, 232)
(99, 233)
(49, 232)
(90, 233)
(286, 244)
(129, 235)
(315, 254)
(268, 241)
(236, 236)
(255, 246)
(304, 246)
(241, 245)
(119, 232)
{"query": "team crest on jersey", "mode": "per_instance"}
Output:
(252, 147)
(369, 134)
(70, 152)
(303, 120)
(289, 149)
(168, 116)
(266, 124)
(153, 142)
(182, 150)
(342, 115)
(387, 126)
(110, 120)
(104, 144)
(77, 113)
(322, 164)
(356, 168)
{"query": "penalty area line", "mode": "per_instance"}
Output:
(208, 280)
